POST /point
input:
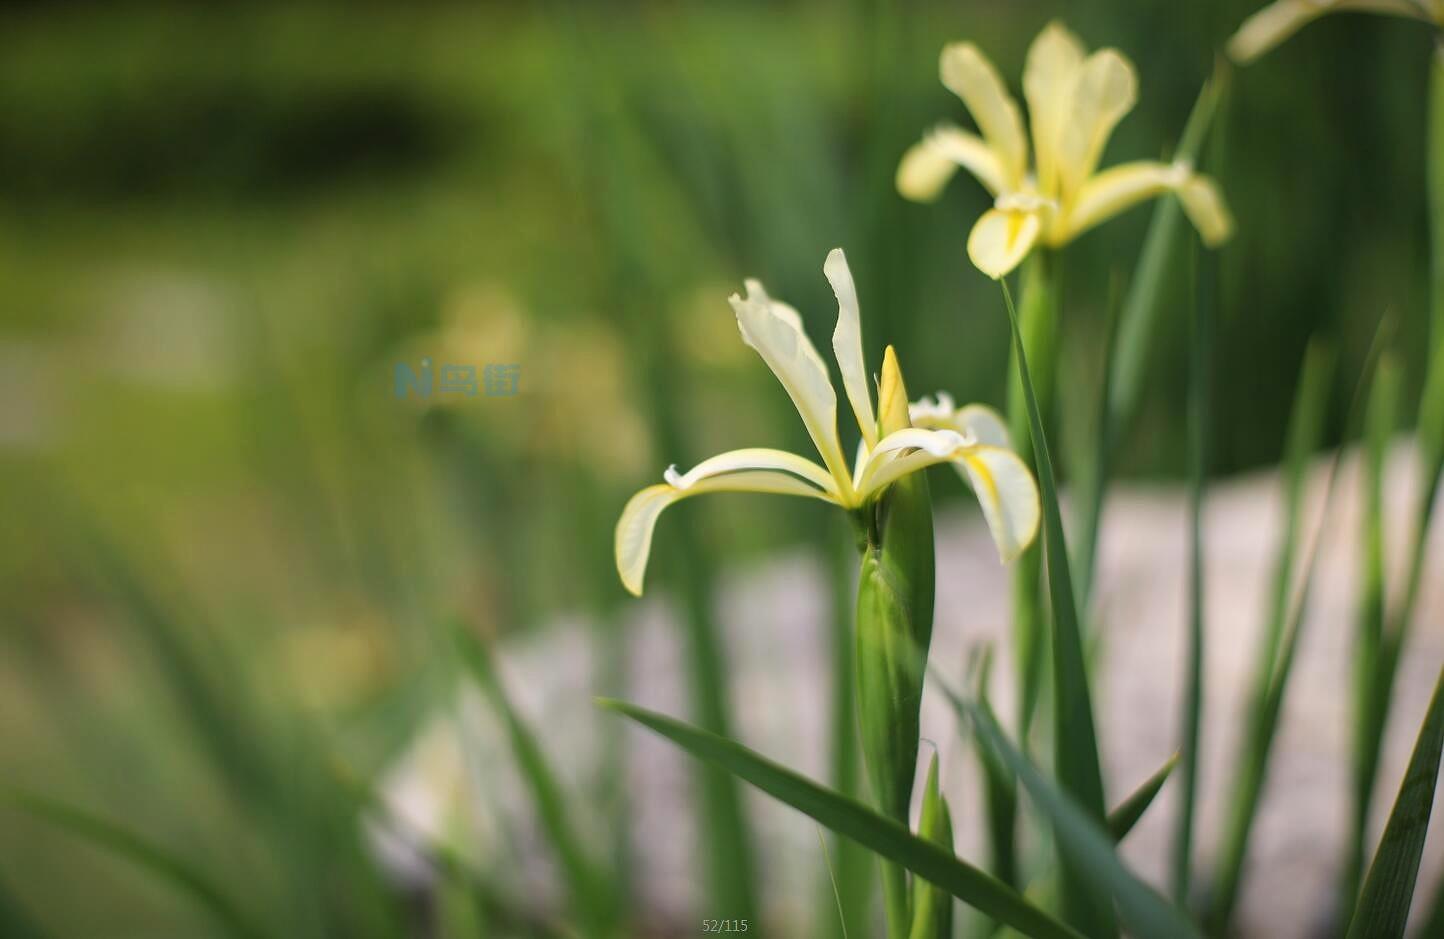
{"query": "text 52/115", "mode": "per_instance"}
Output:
(725, 925)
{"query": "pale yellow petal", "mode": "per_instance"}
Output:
(929, 164)
(968, 74)
(977, 422)
(892, 395)
(775, 331)
(1119, 188)
(1008, 495)
(633, 539)
(754, 458)
(1048, 76)
(1271, 26)
(1204, 206)
(847, 343)
(982, 424)
(1104, 90)
(1001, 239)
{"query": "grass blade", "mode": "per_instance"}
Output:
(589, 897)
(1369, 651)
(1383, 908)
(1083, 838)
(1076, 744)
(15, 921)
(1127, 813)
(851, 818)
(179, 874)
(1000, 789)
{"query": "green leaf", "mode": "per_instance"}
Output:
(1076, 744)
(854, 820)
(15, 921)
(932, 907)
(1127, 813)
(1383, 908)
(589, 897)
(1282, 631)
(1000, 789)
(179, 874)
(1145, 913)
(1371, 682)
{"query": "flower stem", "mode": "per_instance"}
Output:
(1038, 315)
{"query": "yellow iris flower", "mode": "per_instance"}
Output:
(1075, 99)
(972, 438)
(1281, 19)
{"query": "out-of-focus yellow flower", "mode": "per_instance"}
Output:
(1075, 99)
(888, 450)
(1281, 19)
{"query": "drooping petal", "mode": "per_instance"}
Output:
(1278, 21)
(1001, 239)
(1204, 206)
(639, 519)
(1053, 62)
(1121, 187)
(775, 331)
(968, 74)
(1008, 495)
(1105, 88)
(847, 343)
(929, 164)
(754, 458)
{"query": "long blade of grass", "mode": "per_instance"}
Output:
(1281, 635)
(1383, 909)
(1076, 745)
(589, 896)
(178, 874)
(1082, 837)
(1000, 789)
(851, 818)
(1379, 423)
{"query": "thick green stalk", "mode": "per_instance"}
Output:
(1038, 320)
(1200, 365)
(894, 628)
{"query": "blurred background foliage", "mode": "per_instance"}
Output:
(226, 544)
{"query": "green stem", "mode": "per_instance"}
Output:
(1200, 364)
(1038, 321)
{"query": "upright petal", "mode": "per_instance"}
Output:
(639, 519)
(1001, 239)
(847, 343)
(929, 164)
(775, 331)
(1007, 494)
(1104, 90)
(1121, 187)
(967, 73)
(1052, 67)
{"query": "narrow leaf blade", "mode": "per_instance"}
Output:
(856, 821)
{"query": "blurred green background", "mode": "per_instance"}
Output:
(226, 543)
